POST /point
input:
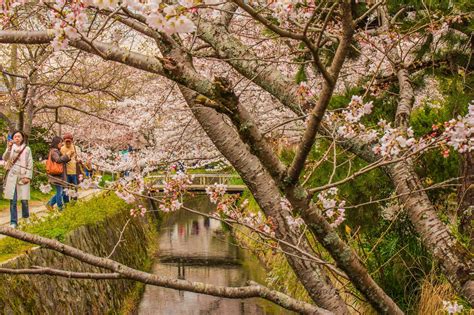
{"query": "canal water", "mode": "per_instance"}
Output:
(197, 248)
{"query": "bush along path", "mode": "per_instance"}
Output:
(56, 225)
(38, 207)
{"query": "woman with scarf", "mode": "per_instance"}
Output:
(19, 165)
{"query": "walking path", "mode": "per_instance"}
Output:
(39, 207)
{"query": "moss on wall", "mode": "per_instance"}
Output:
(34, 294)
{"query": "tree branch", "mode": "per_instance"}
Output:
(316, 115)
(156, 280)
(61, 273)
(81, 111)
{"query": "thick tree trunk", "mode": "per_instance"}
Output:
(466, 198)
(266, 192)
(346, 258)
(453, 258)
(271, 80)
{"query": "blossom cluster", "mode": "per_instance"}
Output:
(69, 18)
(288, 11)
(68, 21)
(71, 192)
(452, 307)
(293, 222)
(460, 132)
(348, 123)
(125, 196)
(173, 190)
(332, 207)
(45, 188)
(227, 208)
(394, 140)
(256, 220)
(127, 187)
(215, 192)
(139, 211)
(89, 183)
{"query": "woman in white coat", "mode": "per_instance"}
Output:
(19, 164)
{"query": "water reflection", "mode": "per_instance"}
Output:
(196, 248)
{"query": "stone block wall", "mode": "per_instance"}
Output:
(39, 294)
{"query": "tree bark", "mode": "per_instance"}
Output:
(282, 88)
(266, 193)
(453, 258)
(466, 198)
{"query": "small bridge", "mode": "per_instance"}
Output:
(201, 181)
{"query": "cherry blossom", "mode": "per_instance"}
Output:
(89, 183)
(215, 192)
(294, 222)
(394, 140)
(460, 132)
(452, 307)
(347, 122)
(126, 196)
(331, 206)
(227, 208)
(71, 192)
(45, 188)
(174, 190)
(139, 211)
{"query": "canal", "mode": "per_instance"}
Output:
(196, 248)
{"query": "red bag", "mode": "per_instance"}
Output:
(53, 168)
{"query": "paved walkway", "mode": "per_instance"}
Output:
(39, 207)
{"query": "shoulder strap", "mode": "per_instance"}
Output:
(18, 156)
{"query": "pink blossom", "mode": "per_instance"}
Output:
(452, 307)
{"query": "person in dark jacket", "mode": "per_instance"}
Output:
(58, 181)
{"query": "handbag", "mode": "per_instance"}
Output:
(53, 168)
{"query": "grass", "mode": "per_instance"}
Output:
(57, 226)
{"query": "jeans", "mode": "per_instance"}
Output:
(25, 211)
(58, 198)
(88, 173)
(71, 179)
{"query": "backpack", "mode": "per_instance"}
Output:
(53, 168)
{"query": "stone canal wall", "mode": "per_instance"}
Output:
(37, 294)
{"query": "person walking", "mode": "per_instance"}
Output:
(57, 178)
(19, 165)
(72, 167)
(88, 168)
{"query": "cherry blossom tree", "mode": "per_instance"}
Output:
(233, 64)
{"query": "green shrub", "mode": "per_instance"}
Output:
(56, 226)
(39, 176)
